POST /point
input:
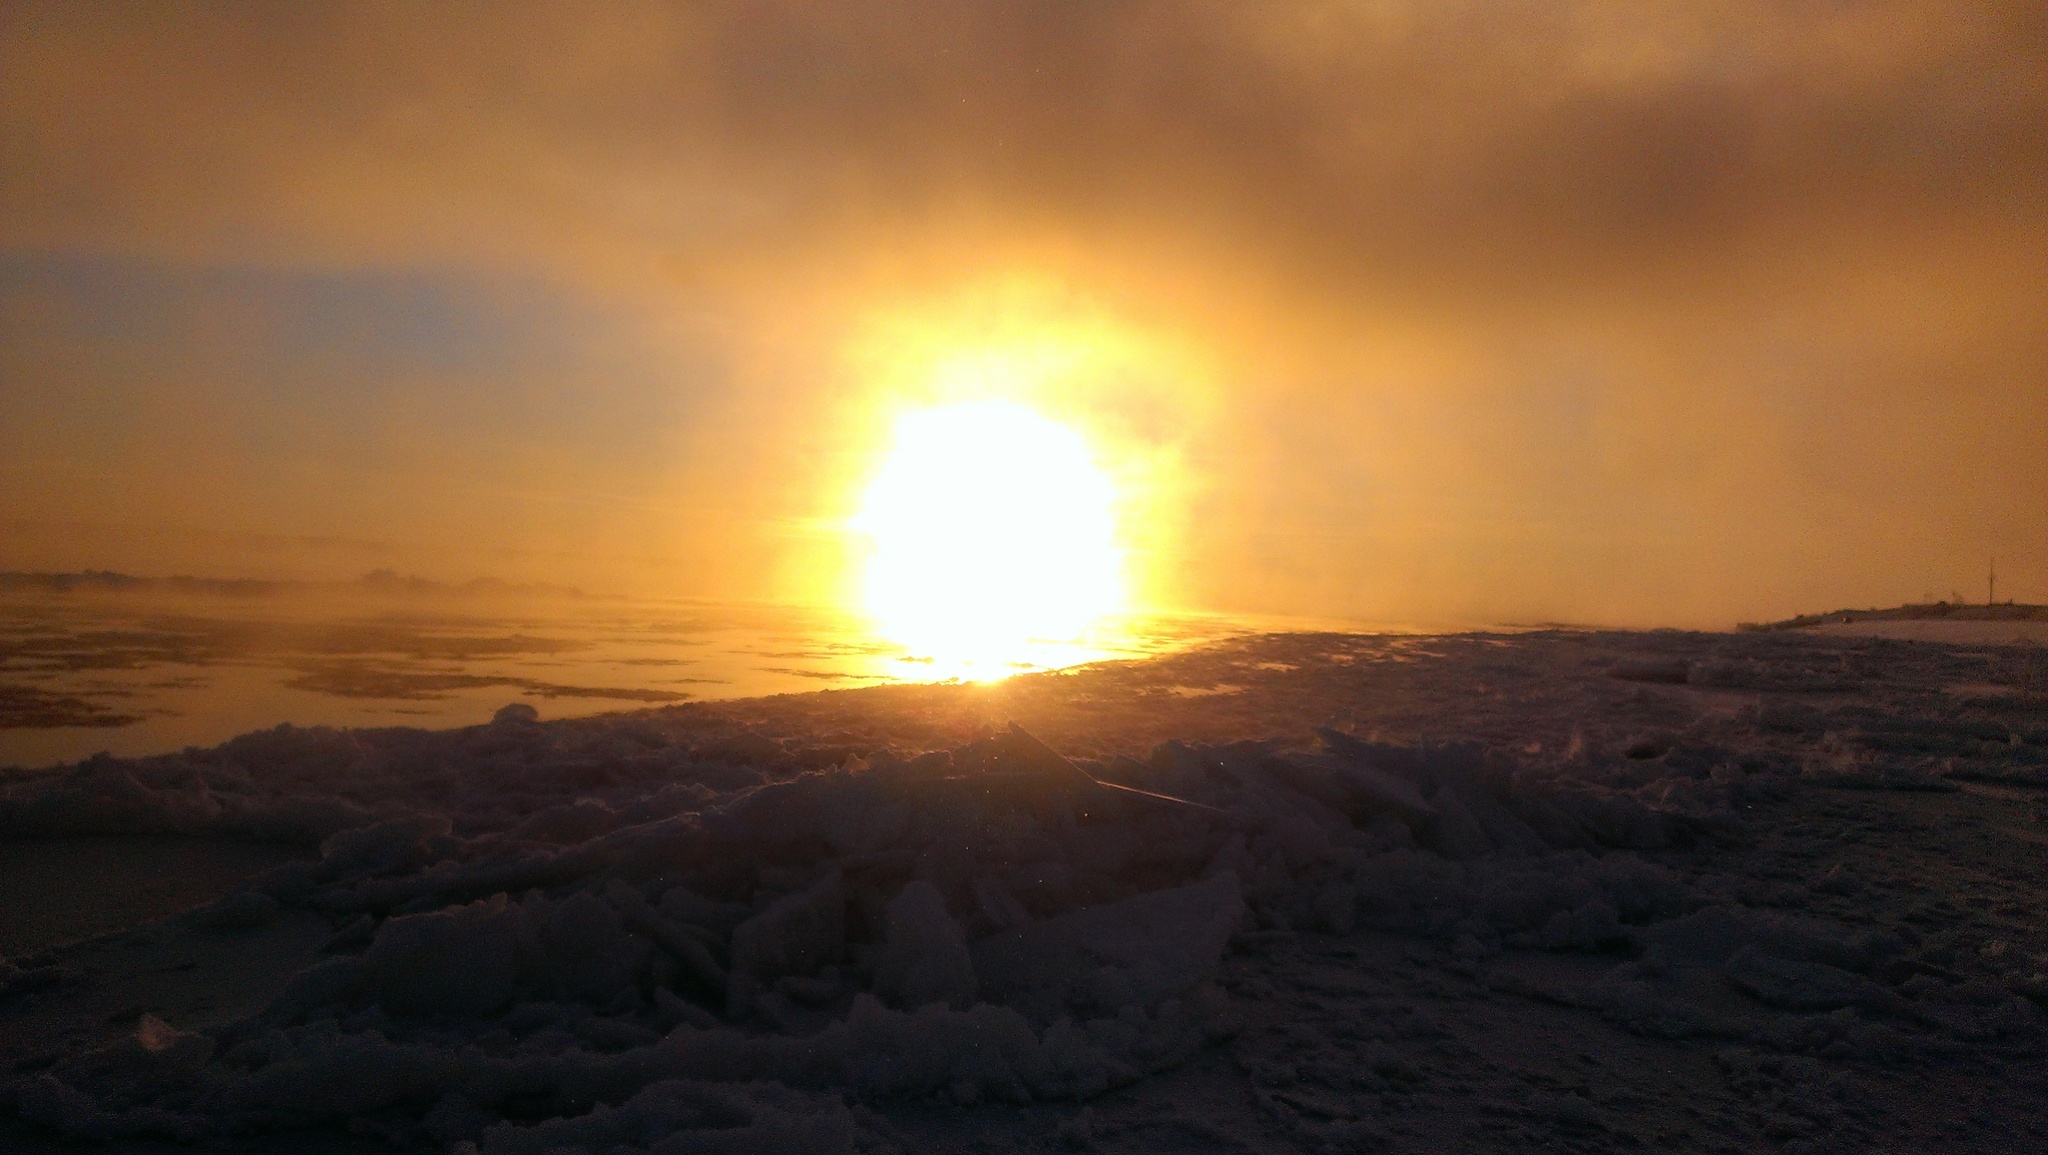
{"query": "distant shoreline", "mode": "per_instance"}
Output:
(1911, 612)
(381, 581)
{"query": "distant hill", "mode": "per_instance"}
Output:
(107, 581)
(381, 581)
(391, 581)
(1924, 612)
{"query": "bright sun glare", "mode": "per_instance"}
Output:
(994, 535)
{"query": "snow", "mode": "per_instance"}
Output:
(795, 936)
(1135, 953)
(924, 957)
(684, 932)
(242, 910)
(988, 922)
(463, 960)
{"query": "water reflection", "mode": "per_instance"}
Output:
(147, 669)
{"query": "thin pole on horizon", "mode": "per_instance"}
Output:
(1991, 584)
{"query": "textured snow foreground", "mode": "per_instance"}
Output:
(797, 924)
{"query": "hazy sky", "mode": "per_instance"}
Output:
(1632, 312)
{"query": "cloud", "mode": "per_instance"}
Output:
(1376, 128)
(1629, 309)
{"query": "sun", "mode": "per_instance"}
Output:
(993, 533)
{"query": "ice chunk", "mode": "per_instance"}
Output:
(1589, 926)
(676, 1116)
(1798, 986)
(924, 955)
(325, 983)
(1376, 773)
(1615, 819)
(358, 931)
(1712, 934)
(459, 961)
(680, 940)
(401, 844)
(156, 1036)
(1673, 671)
(1134, 952)
(586, 949)
(305, 821)
(93, 1095)
(242, 910)
(987, 1052)
(1455, 833)
(683, 905)
(797, 934)
(745, 750)
(582, 819)
(1502, 828)
(1708, 935)
(998, 905)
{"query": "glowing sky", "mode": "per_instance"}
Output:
(1665, 313)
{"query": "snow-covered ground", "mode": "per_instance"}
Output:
(1574, 891)
(1990, 633)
